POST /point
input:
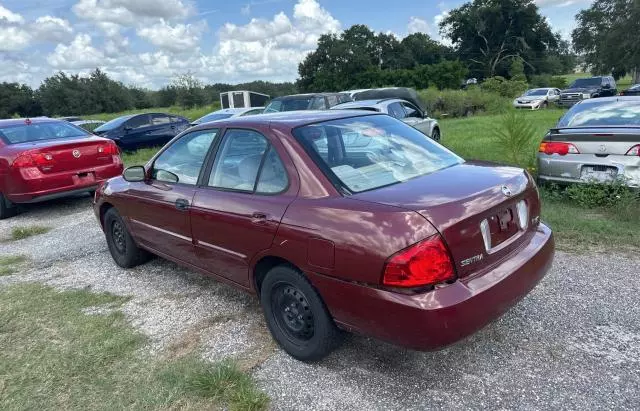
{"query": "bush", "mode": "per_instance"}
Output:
(547, 80)
(461, 103)
(503, 87)
(516, 139)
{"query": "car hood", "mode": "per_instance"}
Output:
(457, 199)
(580, 90)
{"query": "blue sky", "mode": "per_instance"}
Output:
(147, 42)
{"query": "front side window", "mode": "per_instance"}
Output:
(184, 158)
(365, 153)
(160, 119)
(395, 110)
(318, 103)
(138, 122)
(247, 162)
(411, 111)
(26, 133)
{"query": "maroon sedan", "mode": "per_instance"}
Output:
(43, 158)
(337, 220)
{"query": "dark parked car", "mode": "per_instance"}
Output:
(142, 130)
(631, 91)
(43, 158)
(338, 220)
(586, 88)
(597, 140)
(321, 101)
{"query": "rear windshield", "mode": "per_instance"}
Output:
(212, 117)
(368, 152)
(293, 104)
(113, 124)
(599, 113)
(24, 133)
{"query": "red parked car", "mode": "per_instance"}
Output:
(337, 220)
(43, 158)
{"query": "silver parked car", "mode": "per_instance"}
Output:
(597, 140)
(228, 113)
(537, 98)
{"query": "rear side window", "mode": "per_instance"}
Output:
(26, 133)
(318, 103)
(247, 162)
(160, 119)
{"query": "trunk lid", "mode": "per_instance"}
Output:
(600, 142)
(456, 200)
(71, 154)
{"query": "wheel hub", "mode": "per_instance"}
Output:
(117, 231)
(293, 313)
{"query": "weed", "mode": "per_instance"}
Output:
(9, 264)
(20, 233)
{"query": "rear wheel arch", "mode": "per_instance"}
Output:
(264, 265)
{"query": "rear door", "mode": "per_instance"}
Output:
(237, 211)
(159, 213)
(163, 129)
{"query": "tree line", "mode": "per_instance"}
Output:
(486, 36)
(65, 95)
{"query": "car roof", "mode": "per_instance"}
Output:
(542, 88)
(294, 96)
(34, 120)
(233, 110)
(285, 119)
(612, 99)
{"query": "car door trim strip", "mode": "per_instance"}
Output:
(224, 250)
(162, 230)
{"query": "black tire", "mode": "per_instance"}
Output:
(435, 136)
(545, 105)
(6, 208)
(123, 249)
(296, 315)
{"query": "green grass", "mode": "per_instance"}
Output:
(20, 233)
(54, 356)
(191, 114)
(139, 157)
(9, 264)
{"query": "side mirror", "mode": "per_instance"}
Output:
(134, 174)
(166, 176)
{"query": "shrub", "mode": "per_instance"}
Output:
(460, 103)
(547, 80)
(506, 88)
(516, 139)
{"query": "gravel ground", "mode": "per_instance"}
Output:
(573, 343)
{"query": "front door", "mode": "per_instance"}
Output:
(238, 213)
(414, 118)
(159, 215)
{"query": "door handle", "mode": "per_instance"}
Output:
(258, 218)
(182, 204)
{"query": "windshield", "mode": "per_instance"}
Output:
(537, 92)
(289, 104)
(113, 124)
(369, 152)
(24, 133)
(609, 113)
(212, 117)
(586, 82)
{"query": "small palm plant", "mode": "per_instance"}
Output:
(517, 139)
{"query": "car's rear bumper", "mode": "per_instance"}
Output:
(34, 187)
(568, 169)
(440, 317)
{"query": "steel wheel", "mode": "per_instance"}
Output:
(292, 313)
(118, 236)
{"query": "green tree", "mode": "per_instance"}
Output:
(490, 33)
(605, 36)
(425, 50)
(189, 90)
(18, 99)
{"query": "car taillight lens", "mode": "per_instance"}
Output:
(634, 151)
(552, 147)
(425, 263)
(109, 149)
(28, 159)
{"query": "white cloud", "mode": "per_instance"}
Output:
(178, 38)
(129, 13)
(48, 28)
(13, 38)
(417, 25)
(9, 16)
(559, 3)
(257, 29)
(79, 54)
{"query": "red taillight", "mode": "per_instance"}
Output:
(634, 151)
(31, 159)
(424, 263)
(552, 147)
(109, 149)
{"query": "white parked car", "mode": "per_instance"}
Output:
(228, 113)
(537, 98)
